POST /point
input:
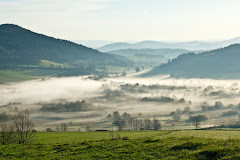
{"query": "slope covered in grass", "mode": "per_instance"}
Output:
(129, 145)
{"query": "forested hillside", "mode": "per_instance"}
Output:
(220, 63)
(19, 46)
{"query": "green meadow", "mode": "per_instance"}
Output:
(168, 145)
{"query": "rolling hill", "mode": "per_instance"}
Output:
(220, 63)
(19, 46)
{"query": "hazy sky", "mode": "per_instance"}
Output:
(124, 20)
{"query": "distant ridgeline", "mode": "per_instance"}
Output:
(150, 53)
(220, 63)
(19, 46)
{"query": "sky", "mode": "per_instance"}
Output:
(126, 20)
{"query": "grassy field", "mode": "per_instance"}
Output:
(18, 75)
(46, 63)
(170, 145)
(15, 75)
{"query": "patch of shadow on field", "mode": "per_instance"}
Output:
(149, 140)
(61, 148)
(212, 154)
(49, 118)
(188, 146)
(153, 138)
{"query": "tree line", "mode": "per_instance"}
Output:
(127, 122)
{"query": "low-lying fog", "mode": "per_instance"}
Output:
(91, 101)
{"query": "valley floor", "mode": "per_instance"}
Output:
(191, 144)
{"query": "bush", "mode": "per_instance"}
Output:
(125, 138)
(49, 130)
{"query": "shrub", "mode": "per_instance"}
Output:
(49, 130)
(125, 138)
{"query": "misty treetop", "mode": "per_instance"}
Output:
(67, 107)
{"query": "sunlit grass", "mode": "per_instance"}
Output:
(15, 75)
(169, 145)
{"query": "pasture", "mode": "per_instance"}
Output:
(169, 145)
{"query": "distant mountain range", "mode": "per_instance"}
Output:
(150, 53)
(220, 63)
(93, 43)
(193, 45)
(19, 46)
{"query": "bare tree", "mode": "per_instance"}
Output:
(88, 128)
(57, 128)
(63, 127)
(7, 133)
(23, 127)
(156, 124)
(147, 124)
(120, 124)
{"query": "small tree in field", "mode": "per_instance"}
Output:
(23, 127)
(63, 127)
(137, 69)
(19, 130)
(7, 133)
(156, 124)
(196, 120)
(120, 124)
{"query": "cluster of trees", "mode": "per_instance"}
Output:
(127, 122)
(4, 117)
(143, 88)
(186, 110)
(229, 113)
(218, 105)
(132, 88)
(238, 107)
(67, 107)
(176, 115)
(163, 99)
(63, 127)
(18, 131)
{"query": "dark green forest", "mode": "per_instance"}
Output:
(23, 49)
(220, 63)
